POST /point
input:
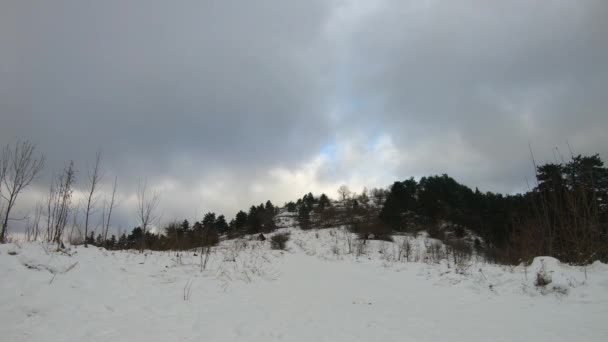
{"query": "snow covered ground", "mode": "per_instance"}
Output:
(314, 291)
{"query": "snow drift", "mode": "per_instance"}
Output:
(319, 289)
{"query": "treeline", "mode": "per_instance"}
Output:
(183, 235)
(564, 215)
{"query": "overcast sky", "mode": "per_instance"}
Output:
(221, 104)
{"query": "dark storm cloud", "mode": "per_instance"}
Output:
(195, 96)
(217, 80)
(221, 104)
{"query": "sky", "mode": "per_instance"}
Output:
(223, 104)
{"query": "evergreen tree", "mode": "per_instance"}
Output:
(112, 242)
(401, 199)
(240, 221)
(291, 207)
(220, 225)
(324, 202)
(270, 209)
(90, 240)
(209, 221)
(304, 217)
(254, 222)
(309, 200)
(197, 227)
(99, 241)
(185, 227)
(122, 242)
(135, 239)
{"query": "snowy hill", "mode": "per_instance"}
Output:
(327, 286)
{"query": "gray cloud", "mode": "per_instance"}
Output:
(222, 104)
(165, 90)
(487, 78)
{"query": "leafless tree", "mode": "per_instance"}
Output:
(111, 206)
(344, 192)
(364, 197)
(32, 229)
(3, 167)
(146, 209)
(20, 166)
(59, 204)
(50, 212)
(379, 196)
(94, 179)
(75, 237)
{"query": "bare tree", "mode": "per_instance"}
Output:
(50, 212)
(75, 237)
(32, 228)
(59, 204)
(3, 167)
(107, 220)
(146, 207)
(94, 179)
(21, 167)
(344, 192)
(379, 196)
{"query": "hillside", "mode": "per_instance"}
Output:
(314, 291)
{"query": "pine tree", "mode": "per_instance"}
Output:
(112, 242)
(240, 221)
(304, 217)
(291, 207)
(220, 225)
(269, 208)
(90, 240)
(122, 242)
(324, 202)
(99, 241)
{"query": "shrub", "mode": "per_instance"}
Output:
(436, 252)
(279, 241)
(460, 250)
(360, 248)
(405, 249)
(543, 278)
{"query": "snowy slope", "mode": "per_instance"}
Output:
(315, 291)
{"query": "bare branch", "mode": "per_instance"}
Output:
(344, 192)
(94, 179)
(59, 204)
(146, 208)
(107, 227)
(19, 167)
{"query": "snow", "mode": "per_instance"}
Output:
(314, 291)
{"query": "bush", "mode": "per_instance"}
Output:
(405, 249)
(279, 241)
(460, 250)
(543, 278)
(435, 252)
